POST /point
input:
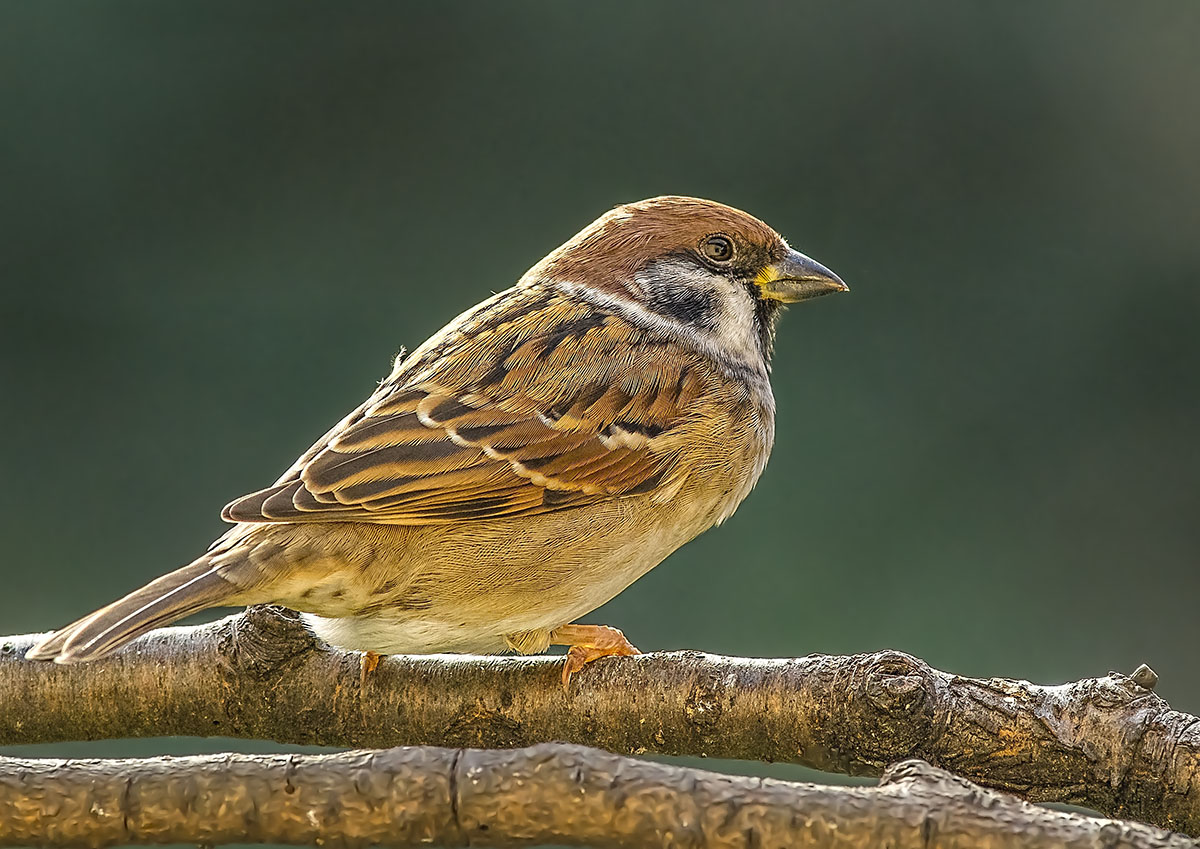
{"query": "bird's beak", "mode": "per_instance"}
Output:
(797, 278)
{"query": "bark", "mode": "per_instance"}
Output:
(551, 793)
(1105, 743)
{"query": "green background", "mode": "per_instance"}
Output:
(220, 220)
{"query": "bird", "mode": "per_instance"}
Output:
(524, 465)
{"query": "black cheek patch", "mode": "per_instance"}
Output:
(685, 304)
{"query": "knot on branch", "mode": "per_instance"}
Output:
(265, 639)
(898, 715)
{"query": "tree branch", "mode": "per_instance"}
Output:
(551, 793)
(1106, 743)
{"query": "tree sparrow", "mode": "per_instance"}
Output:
(528, 462)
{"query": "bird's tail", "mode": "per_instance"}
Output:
(185, 591)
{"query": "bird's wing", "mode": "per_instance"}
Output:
(536, 404)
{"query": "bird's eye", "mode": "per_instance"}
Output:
(717, 248)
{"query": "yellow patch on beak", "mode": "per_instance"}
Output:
(797, 278)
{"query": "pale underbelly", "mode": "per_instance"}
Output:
(391, 632)
(469, 607)
(477, 621)
(464, 588)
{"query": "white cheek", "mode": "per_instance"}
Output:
(737, 332)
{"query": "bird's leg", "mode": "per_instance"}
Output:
(588, 643)
(367, 664)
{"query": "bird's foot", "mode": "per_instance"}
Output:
(367, 663)
(588, 643)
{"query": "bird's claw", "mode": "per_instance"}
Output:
(367, 663)
(588, 643)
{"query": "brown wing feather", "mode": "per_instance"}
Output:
(537, 404)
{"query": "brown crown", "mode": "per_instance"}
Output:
(611, 250)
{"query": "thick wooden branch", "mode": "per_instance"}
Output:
(1106, 743)
(551, 793)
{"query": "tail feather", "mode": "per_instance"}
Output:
(173, 596)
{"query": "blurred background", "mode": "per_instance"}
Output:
(219, 221)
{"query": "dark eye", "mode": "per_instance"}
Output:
(717, 248)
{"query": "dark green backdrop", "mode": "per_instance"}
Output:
(219, 221)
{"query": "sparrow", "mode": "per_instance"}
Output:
(524, 465)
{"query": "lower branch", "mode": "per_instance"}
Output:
(552, 793)
(1106, 743)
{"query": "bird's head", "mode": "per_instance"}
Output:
(717, 273)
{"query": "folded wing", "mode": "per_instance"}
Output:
(542, 404)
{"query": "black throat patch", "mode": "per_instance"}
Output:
(766, 313)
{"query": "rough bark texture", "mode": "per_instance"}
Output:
(1106, 743)
(552, 793)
